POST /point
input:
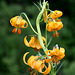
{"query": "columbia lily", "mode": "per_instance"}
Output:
(55, 14)
(57, 54)
(54, 26)
(34, 43)
(18, 23)
(37, 64)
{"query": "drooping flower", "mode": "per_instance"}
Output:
(55, 14)
(57, 54)
(34, 43)
(18, 23)
(54, 26)
(37, 64)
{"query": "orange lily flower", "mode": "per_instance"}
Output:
(57, 54)
(54, 26)
(37, 64)
(18, 23)
(34, 43)
(55, 14)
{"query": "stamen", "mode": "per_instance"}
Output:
(14, 30)
(54, 35)
(38, 50)
(19, 31)
(34, 49)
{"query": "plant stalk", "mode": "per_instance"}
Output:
(29, 23)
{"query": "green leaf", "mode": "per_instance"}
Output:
(37, 6)
(60, 67)
(49, 41)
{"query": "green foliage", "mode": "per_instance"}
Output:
(12, 45)
(69, 70)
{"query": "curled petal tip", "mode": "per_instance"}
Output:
(26, 42)
(25, 57)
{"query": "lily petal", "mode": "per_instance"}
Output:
(44, 40)
(26, 42)
(48, 52)
(47, 69)
(25, 22)
(62, 50)
(25, 57)
(31, 60)
(38, 64)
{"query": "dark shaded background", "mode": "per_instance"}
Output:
(12, 46)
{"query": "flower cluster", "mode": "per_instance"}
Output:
(54, 23)
(45, 64)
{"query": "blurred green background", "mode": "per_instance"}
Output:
(12, 46)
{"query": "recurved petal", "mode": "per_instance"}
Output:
(23, 24)
(31, 57)
(47, 60)
(47, 69)
(44, 40)
(13, 20)
(26, 42)
(25, 57)
(62, 50)
(38, 64)
(31, 61)
(48, 52)
(32, 42)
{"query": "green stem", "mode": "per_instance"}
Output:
(29, 23)
(55, 66)
(46, 30)
(44, 11)
(49, 42)
(53, 74)
(38, 26)
(46, 34)
(44, 1)
(48, 10)
(46, 38)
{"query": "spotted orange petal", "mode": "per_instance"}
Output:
(26, 42)
(31, 61)
(23, 22)
(44, 40)
(38, 64)
(48, 52)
